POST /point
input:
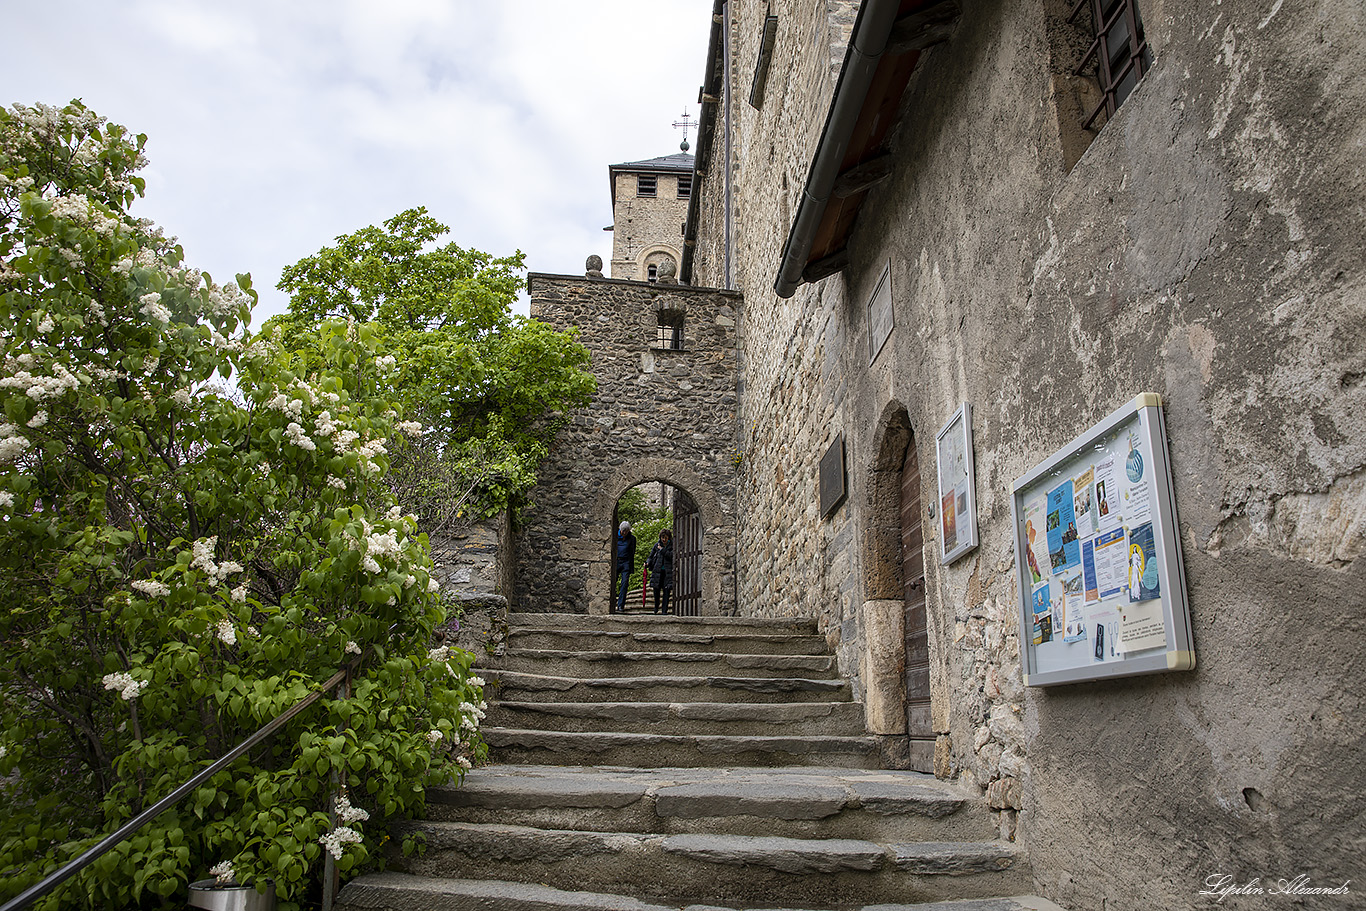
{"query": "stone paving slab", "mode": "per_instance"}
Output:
(836, 718)
(664, 688)
(609, 747)
(787, 855)
(692, 867)
(627, 621)
(740, 640)
(404, 892)
(954, 858)
(602, 662)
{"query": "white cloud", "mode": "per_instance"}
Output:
(274, 127)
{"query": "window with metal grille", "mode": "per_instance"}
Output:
(645, 184)
(669, 334)
(684, 186)
(1117, 57)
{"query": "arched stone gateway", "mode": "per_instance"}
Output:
(715, 561)
(664, 411)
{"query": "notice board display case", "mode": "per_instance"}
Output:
(1098, 558)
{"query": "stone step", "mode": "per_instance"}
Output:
(670, 639)
(606, 663)
(523, 687)
(535, 747)
(794, 802)
(403, 891)
(704, 625)
(838, 718)
(725, 869)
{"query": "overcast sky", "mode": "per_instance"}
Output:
(275, 125)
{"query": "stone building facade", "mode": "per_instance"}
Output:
(665, 410)
(1202, 242)
(649, 207)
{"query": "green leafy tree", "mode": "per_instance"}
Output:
(491, 389)
(181, 559)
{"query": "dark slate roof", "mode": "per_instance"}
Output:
(678, 161)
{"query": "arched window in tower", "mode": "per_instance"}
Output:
(652, 273)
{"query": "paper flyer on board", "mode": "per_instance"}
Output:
(1063, 550)
(1102, 626)
(1084, 502)
(1141, 626)
(950, 521)
(1043, 618)
(1074, 626)
(1036, 542)
(1112, 564)
(1144, 580)
(1108, 495)
(1137, 507)
(1091, 584)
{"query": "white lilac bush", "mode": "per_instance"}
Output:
(193, 535)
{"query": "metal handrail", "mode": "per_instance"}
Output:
(71, 868)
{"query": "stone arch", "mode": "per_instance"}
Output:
(675, 473)
(653, 255)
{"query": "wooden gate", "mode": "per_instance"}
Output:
(919, 725)
(687, 556)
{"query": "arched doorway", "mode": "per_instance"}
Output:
(897, 662)
(652, 507)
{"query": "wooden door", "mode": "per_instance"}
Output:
(687, 599)
(919, 727)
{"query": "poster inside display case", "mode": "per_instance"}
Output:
(1098, 560)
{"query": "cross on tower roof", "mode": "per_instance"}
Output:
(684, 123)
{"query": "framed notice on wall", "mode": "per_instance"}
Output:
(957, 493)
(1097, 557)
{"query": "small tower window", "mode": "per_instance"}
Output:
(645, 184)
(684, 186)
(652, 273)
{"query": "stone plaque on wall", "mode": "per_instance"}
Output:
(832, 476)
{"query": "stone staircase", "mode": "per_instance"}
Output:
(645, 763)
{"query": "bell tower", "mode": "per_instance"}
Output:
(649, 209)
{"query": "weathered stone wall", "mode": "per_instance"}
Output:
(1206, 246)
(646, 229)
(791, 562)
(658, 415)
(476, 559)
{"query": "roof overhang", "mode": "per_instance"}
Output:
(851, 157)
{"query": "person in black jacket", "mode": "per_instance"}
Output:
(661, 564)
(625, 565)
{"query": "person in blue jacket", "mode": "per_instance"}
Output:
(626, 561)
